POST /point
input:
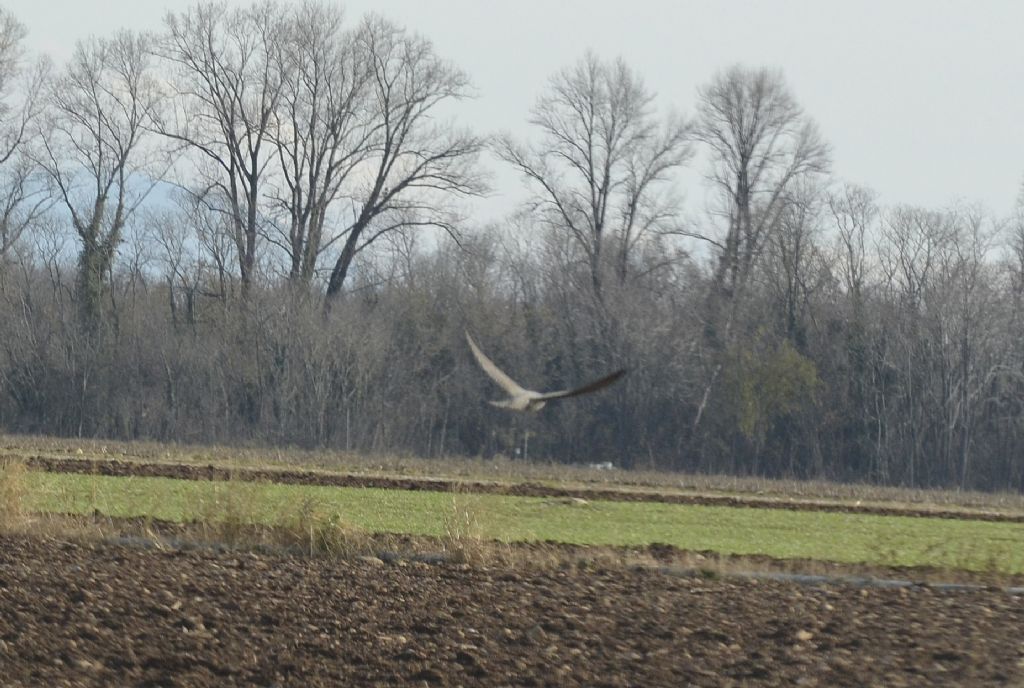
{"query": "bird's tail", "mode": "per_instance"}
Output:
(504, 403)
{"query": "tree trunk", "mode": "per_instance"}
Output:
(344, 263)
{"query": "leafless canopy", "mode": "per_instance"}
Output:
(314, 134)
(22, 194)
(761, 142)
(413, 163)
(102, 105)
(321, 131)
(855, 211)
(226, 87)
(601, 165)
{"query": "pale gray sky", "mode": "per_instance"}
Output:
(922, 100)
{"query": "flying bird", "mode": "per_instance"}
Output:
(521, 399)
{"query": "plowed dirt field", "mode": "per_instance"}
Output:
(98, 614)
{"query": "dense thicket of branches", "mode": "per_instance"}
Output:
(170, 246)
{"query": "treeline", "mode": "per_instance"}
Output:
(249, 226)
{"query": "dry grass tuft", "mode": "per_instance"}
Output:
(12, 495)
(463, 540)
(313, 527)
(15, 516)
(226, 514)
(233, 516)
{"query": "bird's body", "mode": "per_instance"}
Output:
(528, 401)
(522, 399)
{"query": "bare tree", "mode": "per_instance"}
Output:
(855, 210)
(413, 164)
(794, 257)
(1015, 228)
(182, 268)
(93, 150)
(967, 336)
(23, 195)
(226, 90)
(915, 247)
(855, 213)
(603, 162)
(761, 143)
(909, 249)
(216, 248)
(323, 132)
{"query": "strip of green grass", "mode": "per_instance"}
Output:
(881, 540)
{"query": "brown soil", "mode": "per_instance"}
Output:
(94, 614)
(114, 467)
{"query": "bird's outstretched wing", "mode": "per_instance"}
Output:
(592, 387)
(507, 383)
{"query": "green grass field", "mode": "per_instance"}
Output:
(848, 538)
